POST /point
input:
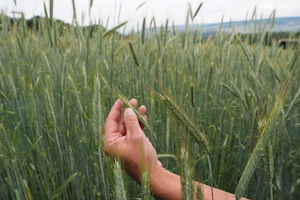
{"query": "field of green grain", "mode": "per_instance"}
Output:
(220, 111)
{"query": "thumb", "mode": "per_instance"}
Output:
(131, 122)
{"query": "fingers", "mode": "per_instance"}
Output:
(133, 102)
(115, 110)
(118, 125)
(122, 128)
(111, 124)
(142, 109)
(131, 123)
(111, 129)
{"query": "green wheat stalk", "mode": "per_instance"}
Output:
(33, 110)
(5, 144)
(186, 176)
(51, 11)
(185, 121)
(49, 88)
(138, 114)
(51, 112)
(268, 158)
(295, 99)
(168, 130)
(120, 191)
(199, 194)
(143, 31)
(97, 123)
(167, 156)
(12, 86)
(146, 192)
(133, 54)
(97, 128)
(75, 95)
(265, 136)
(65, 69)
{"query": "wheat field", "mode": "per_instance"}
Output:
(222, 110)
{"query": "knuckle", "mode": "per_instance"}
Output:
(131, 120)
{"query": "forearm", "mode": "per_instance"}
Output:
(166, 185)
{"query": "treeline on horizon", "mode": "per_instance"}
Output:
(35, 24)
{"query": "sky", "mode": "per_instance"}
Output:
(114, 12)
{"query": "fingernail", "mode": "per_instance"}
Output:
(129, 111)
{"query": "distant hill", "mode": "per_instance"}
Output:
(35, 23)
(285, 24)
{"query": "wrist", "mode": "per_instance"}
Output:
(165, 184)
(156, 172)
(136, 170)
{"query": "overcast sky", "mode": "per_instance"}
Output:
(118, 11)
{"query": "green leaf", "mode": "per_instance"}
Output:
(133, 54)
(31, 148)
(140, 6)
(5, 97)
(51, 10)
(45, 10)
(198, 9)
(190, 12)
(113, 29)
(91, 3)
(74, 10)
(57, 191)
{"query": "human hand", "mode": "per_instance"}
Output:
(125, 139)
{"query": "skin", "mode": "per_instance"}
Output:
(125, 140)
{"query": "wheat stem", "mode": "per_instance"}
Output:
(186, 176)
(52, 116)
(13, 160)
(265, 136)
(119, 182)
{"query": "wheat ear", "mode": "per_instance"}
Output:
(51, 113)
(180, 115)
(75, 95)
(97, 113)
(186, 176)
(138, 114)
(268, 158)
(120, 191)
(121, 96)
(13, 160)
(265, 136)
(12, 86)
(146, 185)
